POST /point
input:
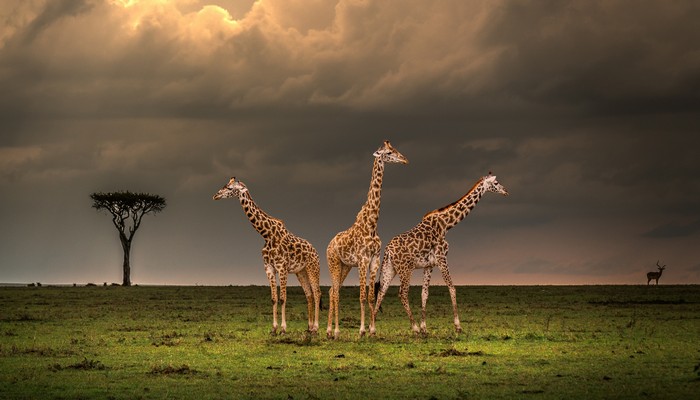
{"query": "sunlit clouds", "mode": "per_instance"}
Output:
(468, 55)
(358, 54)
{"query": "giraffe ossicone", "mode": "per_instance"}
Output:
(424, 247)
(359, 246)
(282, 253)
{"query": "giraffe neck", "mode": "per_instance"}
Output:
(369, 214)
(452, 214)
(267, 226)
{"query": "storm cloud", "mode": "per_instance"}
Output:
(586, 111)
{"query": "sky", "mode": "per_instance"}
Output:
(588, 112)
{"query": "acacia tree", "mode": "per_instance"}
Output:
(127, 210)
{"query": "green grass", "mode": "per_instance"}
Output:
(213, 343)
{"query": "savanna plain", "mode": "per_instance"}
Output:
(534, 342)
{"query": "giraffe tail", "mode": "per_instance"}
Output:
(378, 282)
(377, 287)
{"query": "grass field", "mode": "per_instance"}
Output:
(535, 342)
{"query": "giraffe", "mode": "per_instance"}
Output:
(282, 253)
(359, 245)
(424, 246)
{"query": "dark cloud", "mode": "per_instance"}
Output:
(672, 230)
(608, 58)
(54, 11)
(586, 112)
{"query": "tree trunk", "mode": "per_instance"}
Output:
(126, 245)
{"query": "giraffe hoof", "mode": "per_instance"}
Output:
(458, 329)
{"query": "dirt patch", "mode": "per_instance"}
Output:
(168, 339)
(452, 352)
(305, 338)
(85, 365)
(183, 369)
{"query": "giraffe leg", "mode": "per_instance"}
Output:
(314, 284)
(424, 297)
(335, 271)
(373, 268)
(283, 298)
(331, 296)
(403, 295)
(270, 272)
(453, 293)
(362, 270)
(388, 274)
(304, 281)
(344, 270)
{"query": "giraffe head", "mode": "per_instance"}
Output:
(233, 188)
(387, 153)
(492, 185)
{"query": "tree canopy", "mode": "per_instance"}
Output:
(125, 204)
